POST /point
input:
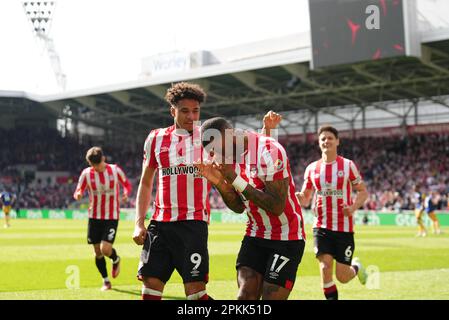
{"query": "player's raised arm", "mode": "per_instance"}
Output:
(81, 187)
(270, 121)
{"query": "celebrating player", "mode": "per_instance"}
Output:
(252, 173)
(102, 181)
(7, 199)
(176, 237)
(333, 178)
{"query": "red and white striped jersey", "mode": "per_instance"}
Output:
(104, 191)
(266, 160)
(332, 183)
(182, 194)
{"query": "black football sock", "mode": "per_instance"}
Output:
(113, 255)
(101, 266)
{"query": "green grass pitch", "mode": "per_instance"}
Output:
(39, 258)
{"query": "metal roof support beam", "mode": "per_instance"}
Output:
(57, 106)
(91, 103)
(125, 99)
(301, 71)
(249, 79)
(426, 59)
(158, 90)
(359, 70)
(416, 115)
(122, 96)
(363, 117)
(380, 107)
(296, 94)
(441, 102)
(324, 110)
(412, 107)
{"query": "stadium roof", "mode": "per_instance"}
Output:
(274, 75)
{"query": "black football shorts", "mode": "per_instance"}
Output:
(180, 245)
(276, 260)
(101, 230)
(340, 245)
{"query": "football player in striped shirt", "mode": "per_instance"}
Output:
(177, 235)
(333, 179)
(103, 180)
(252, 173)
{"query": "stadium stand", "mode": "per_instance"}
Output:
(390, 165)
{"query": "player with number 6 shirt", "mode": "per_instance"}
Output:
(333, 179)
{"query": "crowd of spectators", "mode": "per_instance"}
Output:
(391, 166)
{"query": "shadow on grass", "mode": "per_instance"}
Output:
(138, 293)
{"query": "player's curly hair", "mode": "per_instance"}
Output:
(185, 90)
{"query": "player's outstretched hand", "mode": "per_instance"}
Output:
(271, 120)
(140, 233)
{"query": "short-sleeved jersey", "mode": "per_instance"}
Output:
(332, 183)
(182, 194)
(6, 198)
(265, 161)
(104, 191)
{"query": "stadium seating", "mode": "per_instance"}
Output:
(390, 166)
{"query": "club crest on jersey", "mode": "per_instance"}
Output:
(317, 175)
(279, 164)
(253, 171)
(340, 174)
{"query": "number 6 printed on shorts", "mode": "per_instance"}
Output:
(348, 252)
